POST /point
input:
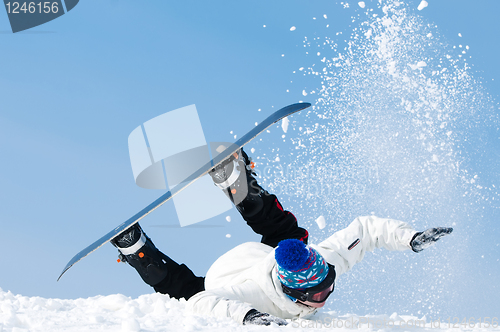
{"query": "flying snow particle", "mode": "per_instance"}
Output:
(284, 124)
(325, 16)
(293, 28)
(459, 34)
(419, 64)
(321, 222)
(228, 235)
(252, 150)
(361, 4)
(228, 218)
(304, 93)
(277, 159)
(264, 26)
(422, 5)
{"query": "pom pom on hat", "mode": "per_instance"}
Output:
(299, 266)
(291, 254)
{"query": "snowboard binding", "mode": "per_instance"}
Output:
(137, 249)
(233, 175)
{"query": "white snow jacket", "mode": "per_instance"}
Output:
(245, 277)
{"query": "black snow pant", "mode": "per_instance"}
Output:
(272, 222)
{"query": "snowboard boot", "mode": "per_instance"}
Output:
(235, 177)
(260, 209)
(138, 250)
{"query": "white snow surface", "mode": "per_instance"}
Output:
(157, 312)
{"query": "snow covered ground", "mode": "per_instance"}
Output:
(157, 312)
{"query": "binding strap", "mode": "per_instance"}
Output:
(232, 178)
(135, 247)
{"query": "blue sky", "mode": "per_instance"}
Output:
(73, 89)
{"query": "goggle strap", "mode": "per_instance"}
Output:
(301, 296)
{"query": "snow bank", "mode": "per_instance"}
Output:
(152, 312)
(156, 312)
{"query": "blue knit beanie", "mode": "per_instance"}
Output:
(299, 266)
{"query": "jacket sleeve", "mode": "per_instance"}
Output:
(348, 246)
(232, 301)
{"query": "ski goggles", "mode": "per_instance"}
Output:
(316, 294)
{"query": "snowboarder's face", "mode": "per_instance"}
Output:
(315, 296)
(321, 295)
(312, 304)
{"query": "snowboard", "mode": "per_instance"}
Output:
(275, 117)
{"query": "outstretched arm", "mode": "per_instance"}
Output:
(348, 246)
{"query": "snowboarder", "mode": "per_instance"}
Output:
(280, 278)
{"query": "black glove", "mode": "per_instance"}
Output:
(423, 240)
(260, 318)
